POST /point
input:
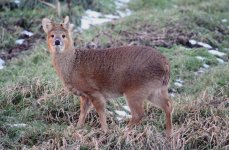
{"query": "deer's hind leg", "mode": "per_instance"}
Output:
(136, 103)
(160, 98)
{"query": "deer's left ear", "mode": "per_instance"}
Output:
(47, 25)
(66, 23)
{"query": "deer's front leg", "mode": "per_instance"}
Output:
(84, 108)
(98, 102)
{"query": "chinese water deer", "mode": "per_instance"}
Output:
(137, 72)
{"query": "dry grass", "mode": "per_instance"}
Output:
(31, 93)
(202, 123)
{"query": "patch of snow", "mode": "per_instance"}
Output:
(2, 62)
(178, 84)
(20, 41)
(111, 16)
(25, 32)
(200, 71)
(179, 81)
(17, 2)
(118, 4)
(172, 94)
(224, 20)
(200, 58)
(91, 13)
(86, 21)
(221, 61)
(205, 45)
(96, 18)
(206, 66)
(19, 125)
(121, 113)
(119, 118)
(217, 53)
(124, 13)
(124, 1)
(126, 108)
(192, 42)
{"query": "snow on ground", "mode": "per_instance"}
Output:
(19, 125)
(25, 32)
(2, 62)
(96, 18)
(200, 71)
(217, 53)
(19, 41)
(221, 61)
(179, 83)
(126, 108)
(206, 66)
(122, 115)
(224, 20)
(205, 45)
(200, 58)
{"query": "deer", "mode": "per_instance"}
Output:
(139, 73)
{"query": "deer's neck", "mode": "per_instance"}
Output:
(64, 64)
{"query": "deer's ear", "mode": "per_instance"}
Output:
(47, 25)
(66, 23)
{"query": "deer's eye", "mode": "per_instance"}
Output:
(52, 36)
(63, 36)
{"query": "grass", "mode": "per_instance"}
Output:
(31, 93)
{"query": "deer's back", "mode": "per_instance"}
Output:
(118, 69)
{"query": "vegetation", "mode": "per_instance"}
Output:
(36, 112)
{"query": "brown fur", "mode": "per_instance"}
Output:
(137, 72)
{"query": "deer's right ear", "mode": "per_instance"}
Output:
(47, 25)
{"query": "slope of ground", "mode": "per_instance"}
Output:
(35, 111)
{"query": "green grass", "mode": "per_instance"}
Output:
(32, 94)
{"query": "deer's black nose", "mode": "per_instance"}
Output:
(57, 42)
